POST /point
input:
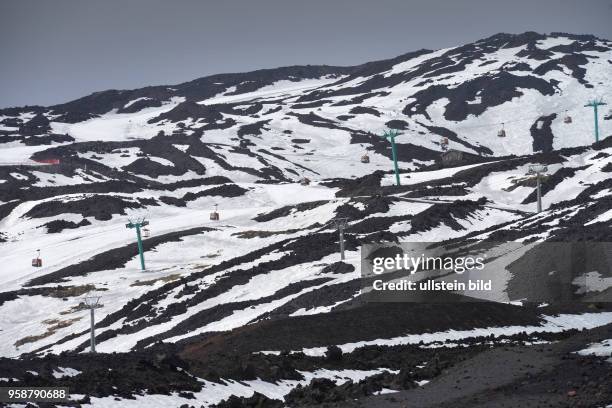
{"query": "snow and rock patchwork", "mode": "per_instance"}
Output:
(294, 118)
(272, 254)
(280, 154)
(551, 324)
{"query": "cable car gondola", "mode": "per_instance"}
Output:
(502, 132)
(567, 118)
(444, 143)
(37, 261)
(146, 232)
(214, 216)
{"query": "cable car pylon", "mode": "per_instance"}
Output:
(594, 104)
(390, 135)
(137, 225)
(341, 224)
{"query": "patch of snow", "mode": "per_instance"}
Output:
(62, 372)
(601, 349)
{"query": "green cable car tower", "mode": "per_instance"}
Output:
(390, 135)
(594, 104)
(137, 224)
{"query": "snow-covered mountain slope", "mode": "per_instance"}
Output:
(267, 277)
(295, 120)
(274, 251)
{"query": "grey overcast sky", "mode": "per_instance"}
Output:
(53, 51)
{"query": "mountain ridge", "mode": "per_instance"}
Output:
(520, 38)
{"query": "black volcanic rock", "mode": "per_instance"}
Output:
(150, 168)
(226, 190)
(99, 103)
(494, 90)
(37, 125)
(572, 62)
(206, 87)
(47, 139)
(100, 207)
(140, 105)
(397, 124)
(38, 121)
(253, 128)
(256, 400)
(446, 214)
(535, 53)
(12, 122)
(189, 110)
(542, 133)
(57, 226)
(363, 110)
(505, 40)
(74, 117)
